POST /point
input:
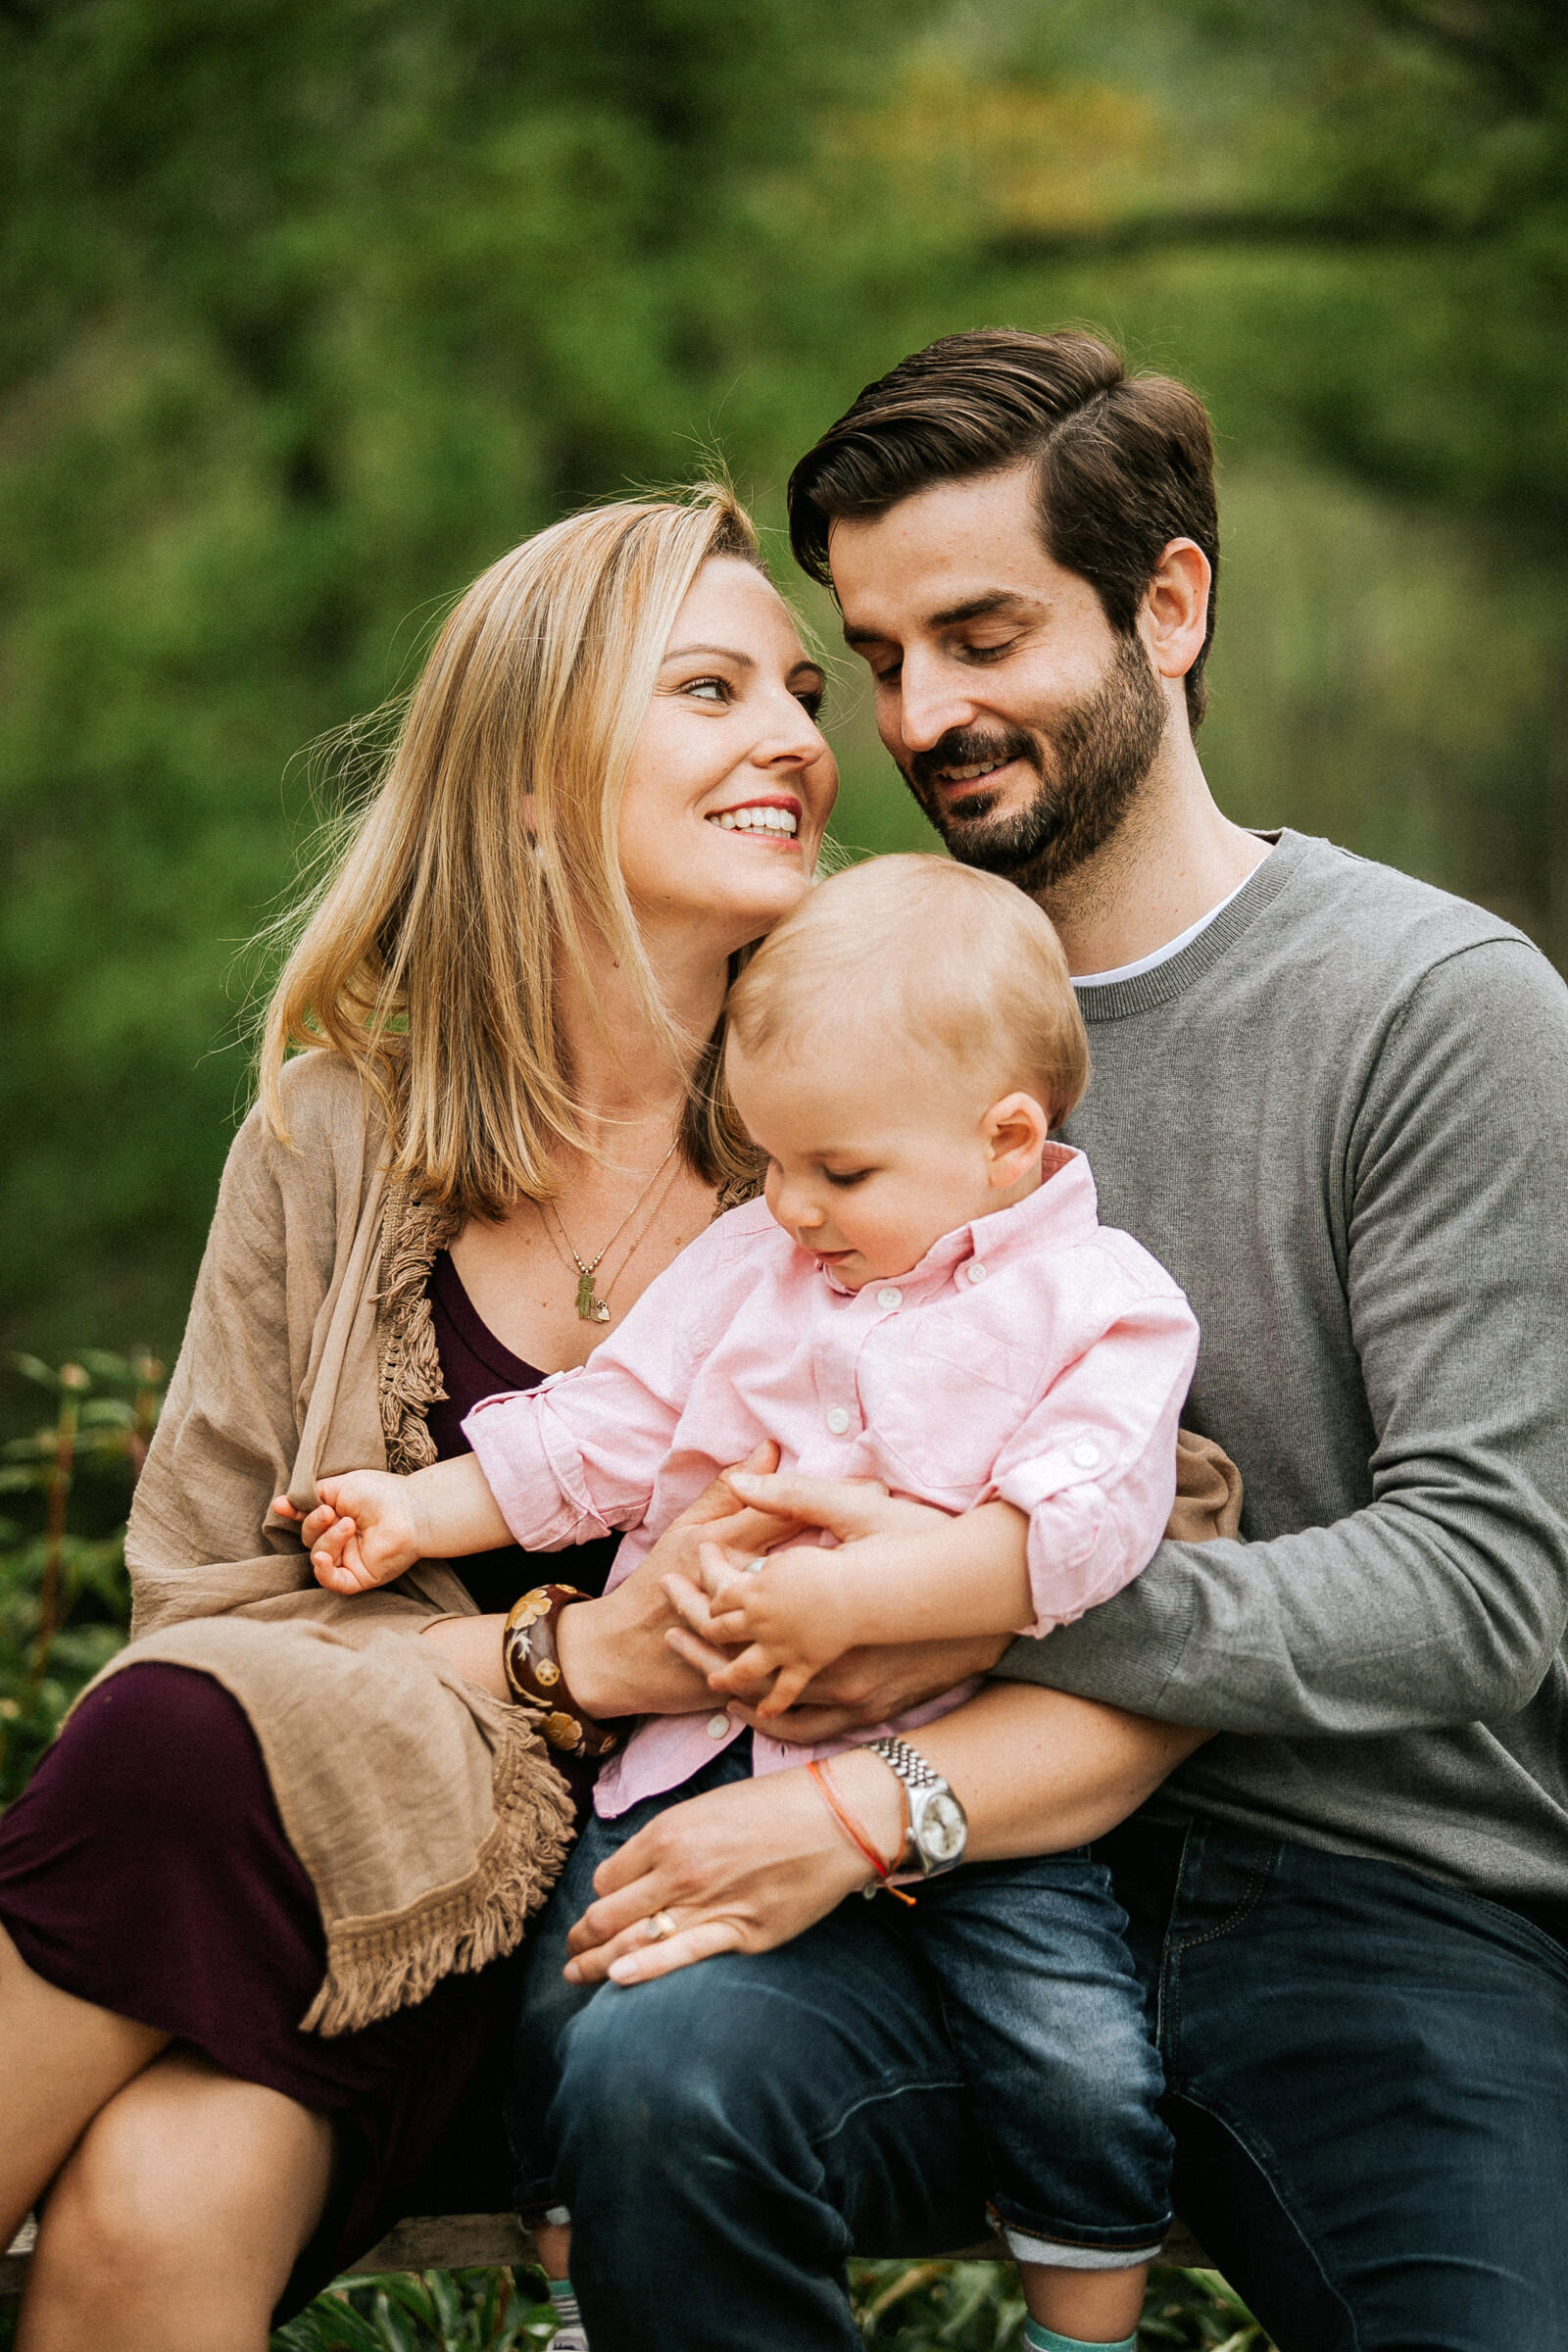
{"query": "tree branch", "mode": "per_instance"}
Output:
(1156, 232)
(1522, 68)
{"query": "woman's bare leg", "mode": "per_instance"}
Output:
(174, 2225)
(60, 2060)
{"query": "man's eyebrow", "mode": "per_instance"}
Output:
(1005, 602)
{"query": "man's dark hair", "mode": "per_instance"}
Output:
(1126, 462)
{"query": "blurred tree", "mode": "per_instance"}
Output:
(307, 312)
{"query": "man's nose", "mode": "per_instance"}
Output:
(932, 700)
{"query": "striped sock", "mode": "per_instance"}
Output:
(1046, 2339)
(568, 2314)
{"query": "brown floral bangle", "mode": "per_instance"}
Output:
(532, 1668)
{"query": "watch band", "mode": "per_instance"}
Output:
(921, 1783)
(907, 1762)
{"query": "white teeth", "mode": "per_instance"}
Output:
(757, 820)
(966, 775)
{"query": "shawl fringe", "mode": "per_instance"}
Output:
(376, 1966)
(409, 1376)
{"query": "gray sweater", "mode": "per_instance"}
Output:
(1340, 1118)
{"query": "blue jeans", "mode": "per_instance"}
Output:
(1368, 2077)
(1042, 2011)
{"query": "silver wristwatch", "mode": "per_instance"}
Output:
(939, 1826)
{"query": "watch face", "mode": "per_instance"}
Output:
(943, 1827)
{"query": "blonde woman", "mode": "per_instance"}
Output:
(247, 1904)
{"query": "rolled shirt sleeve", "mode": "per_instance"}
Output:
(1093, 1465)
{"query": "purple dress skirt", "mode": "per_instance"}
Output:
(145, 1868)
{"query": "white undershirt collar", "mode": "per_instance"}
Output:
(1172, 947)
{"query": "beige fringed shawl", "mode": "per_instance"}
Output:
(425, 1812)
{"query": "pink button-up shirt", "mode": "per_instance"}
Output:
(1034, 1354)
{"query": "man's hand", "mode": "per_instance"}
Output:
(364, 1532)
(868, 1686)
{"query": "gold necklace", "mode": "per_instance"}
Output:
(589, 1308)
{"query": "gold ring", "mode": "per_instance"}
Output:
(658, 1928)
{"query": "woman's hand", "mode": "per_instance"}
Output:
(747, 1866)
(738, 1869)
(615, 1653)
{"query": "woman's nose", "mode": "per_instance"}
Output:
(795, 740)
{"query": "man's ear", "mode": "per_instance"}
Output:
(1015, 1131)
(1174, 620)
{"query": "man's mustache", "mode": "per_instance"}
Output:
(972, 746)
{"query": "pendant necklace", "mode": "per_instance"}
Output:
(589, 1308)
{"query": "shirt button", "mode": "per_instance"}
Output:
(1086, 1456)
(889, 1297)
(975, 1270)
(838, 1420)
(718, 1726)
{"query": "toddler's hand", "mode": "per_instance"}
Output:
(362, 1532)
(787, 1614)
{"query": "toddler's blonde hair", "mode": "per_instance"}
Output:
(944, 954)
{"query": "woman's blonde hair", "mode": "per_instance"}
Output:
(428, 957)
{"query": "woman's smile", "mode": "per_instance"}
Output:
(774, 817)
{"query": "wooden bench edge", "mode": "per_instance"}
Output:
(484, 2242)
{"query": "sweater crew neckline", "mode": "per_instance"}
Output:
(1118, 999)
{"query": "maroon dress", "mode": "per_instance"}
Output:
(145, 1868)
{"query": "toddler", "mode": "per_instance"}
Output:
(926, 1298)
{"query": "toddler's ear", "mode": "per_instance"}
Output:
(1015, 1131)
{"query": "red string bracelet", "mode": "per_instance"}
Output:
(854, 1832)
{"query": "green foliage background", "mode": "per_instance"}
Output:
(309, 307)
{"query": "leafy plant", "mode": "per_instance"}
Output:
(63, 1603)
(900, 2307)
(422, 2311)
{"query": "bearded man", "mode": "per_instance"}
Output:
(1335, 1103)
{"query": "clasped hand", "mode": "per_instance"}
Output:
(785, 1616)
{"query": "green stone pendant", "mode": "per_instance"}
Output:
(589, 1308)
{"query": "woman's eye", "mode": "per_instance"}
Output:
(812, 701)
(712, 690)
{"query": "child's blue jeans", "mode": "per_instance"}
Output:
(1042, 2006)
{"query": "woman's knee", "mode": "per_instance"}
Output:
(186, 2170)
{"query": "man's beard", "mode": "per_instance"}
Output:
(1090, 766)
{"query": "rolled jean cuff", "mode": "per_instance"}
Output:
(1055, 2255)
